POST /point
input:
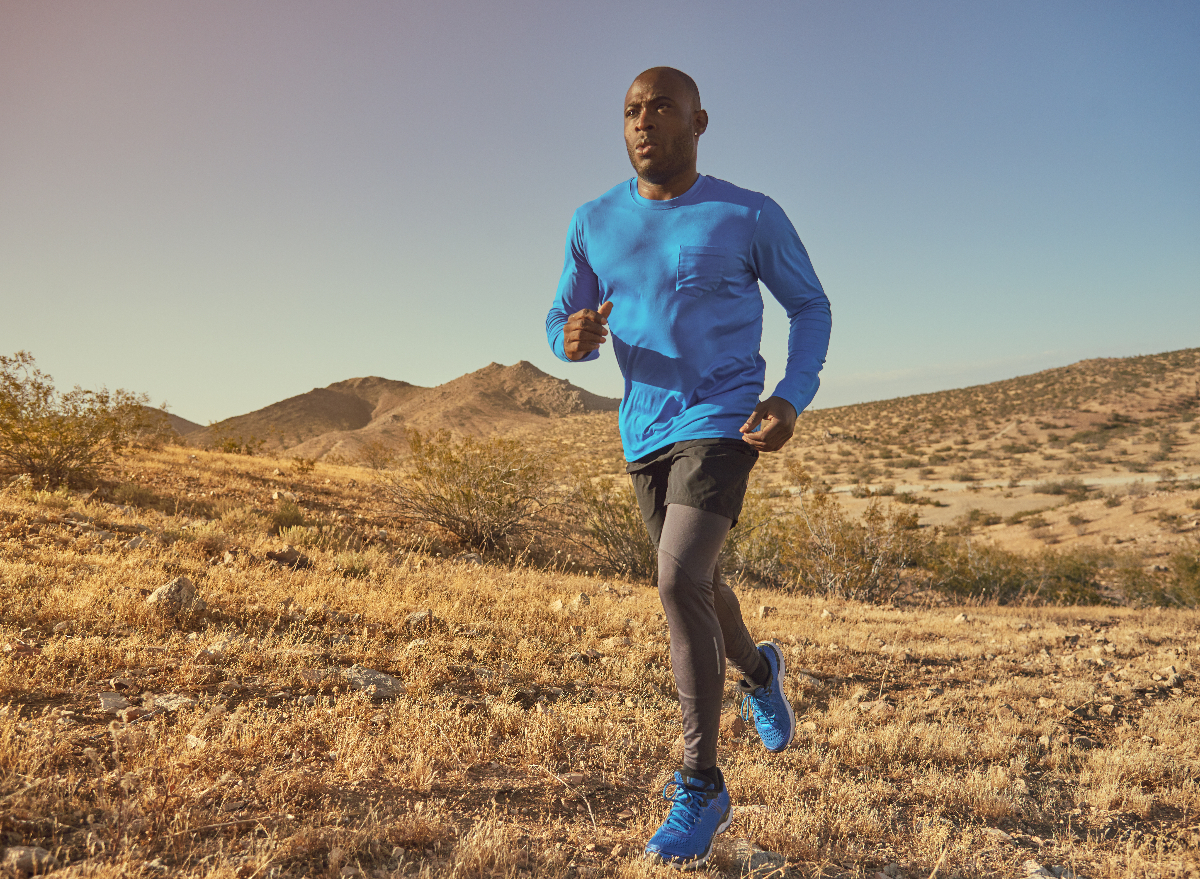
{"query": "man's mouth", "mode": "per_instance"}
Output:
(644, 147)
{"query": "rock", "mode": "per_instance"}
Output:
(574, 778)
(1046, 704)
(557, 606)
(195, 742)
(467, 558)
(732, 726)
(765, 611)
(962, 618)
(176, 597)
(173, 701)
(283, 496)
(290, 557)
(579, 601)
(1033, 868)
(806, 681)
(376, 684)
(420, 621)
(996, 834)
(111, 702)
(752, 862)
(60, 628)
(132, 713)
(616, 641)
(1084, 743)
(27, 860)
(135, 542)
(1108, 710)
(826, 615)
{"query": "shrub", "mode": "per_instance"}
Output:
(863, 560)
(492, 494)
(988, 573)
(612, 525)
(378, 454)
(759, 546)
(287, 515)
(1073, 489)
(62, 438)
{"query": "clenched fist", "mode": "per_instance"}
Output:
(586, 331)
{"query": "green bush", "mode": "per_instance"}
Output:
(62, 438)
(287, 515)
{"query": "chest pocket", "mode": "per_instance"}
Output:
(703, 270)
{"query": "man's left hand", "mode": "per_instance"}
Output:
(770, 425)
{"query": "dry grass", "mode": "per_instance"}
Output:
(529, 741)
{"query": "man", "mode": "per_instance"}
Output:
(668, 264)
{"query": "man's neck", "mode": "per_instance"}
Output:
(673, 188)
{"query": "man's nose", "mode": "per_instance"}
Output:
(643, 121)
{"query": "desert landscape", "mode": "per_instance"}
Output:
(227, 655)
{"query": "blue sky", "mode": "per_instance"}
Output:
(224, 204)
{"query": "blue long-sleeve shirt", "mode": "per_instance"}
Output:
(686, 321)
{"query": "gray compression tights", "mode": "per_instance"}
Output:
(706, 625)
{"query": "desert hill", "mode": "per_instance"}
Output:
(339, 419)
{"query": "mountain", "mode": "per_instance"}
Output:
(339, 419)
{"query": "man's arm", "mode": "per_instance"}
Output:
(576, 324)
(782, 263)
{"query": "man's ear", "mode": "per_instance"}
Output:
(700, 122)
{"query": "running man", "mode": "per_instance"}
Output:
(668, 263)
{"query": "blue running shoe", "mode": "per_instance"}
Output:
(700, 812)
(773, 715)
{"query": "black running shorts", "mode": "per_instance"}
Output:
(708, 474)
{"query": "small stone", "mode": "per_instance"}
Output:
(557, 605)
(469, 558)
(175, 597)
(765, 611)
(962, 618)
(806, 681)
(619, 849)
(579, 601)
(135, 542)
(64, 626)
(121, 684)
(1044, 741)
(1033, 868)
(111, 703)
(623, 815)
(132, 713)
(174, 701)
(826, 615)
(348, 872)
(290, 557)
(997, 834)
(376, 684)
(574, 778)
(809, 726)
(753, 862)
(195, 742)
(283, 496)
(25, 860)
(1085, 743)
(234, 806)
(420, 621)
(617, 641)
(308, 700)
(1108, 710)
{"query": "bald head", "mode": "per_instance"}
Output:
(685, 83)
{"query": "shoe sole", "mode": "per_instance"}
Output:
(780, 675)
(695, 863)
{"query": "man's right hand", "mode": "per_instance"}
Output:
(586, 331)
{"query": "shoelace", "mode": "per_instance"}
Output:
(749, 703)
(688, 803)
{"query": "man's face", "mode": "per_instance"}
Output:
(661, 127)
